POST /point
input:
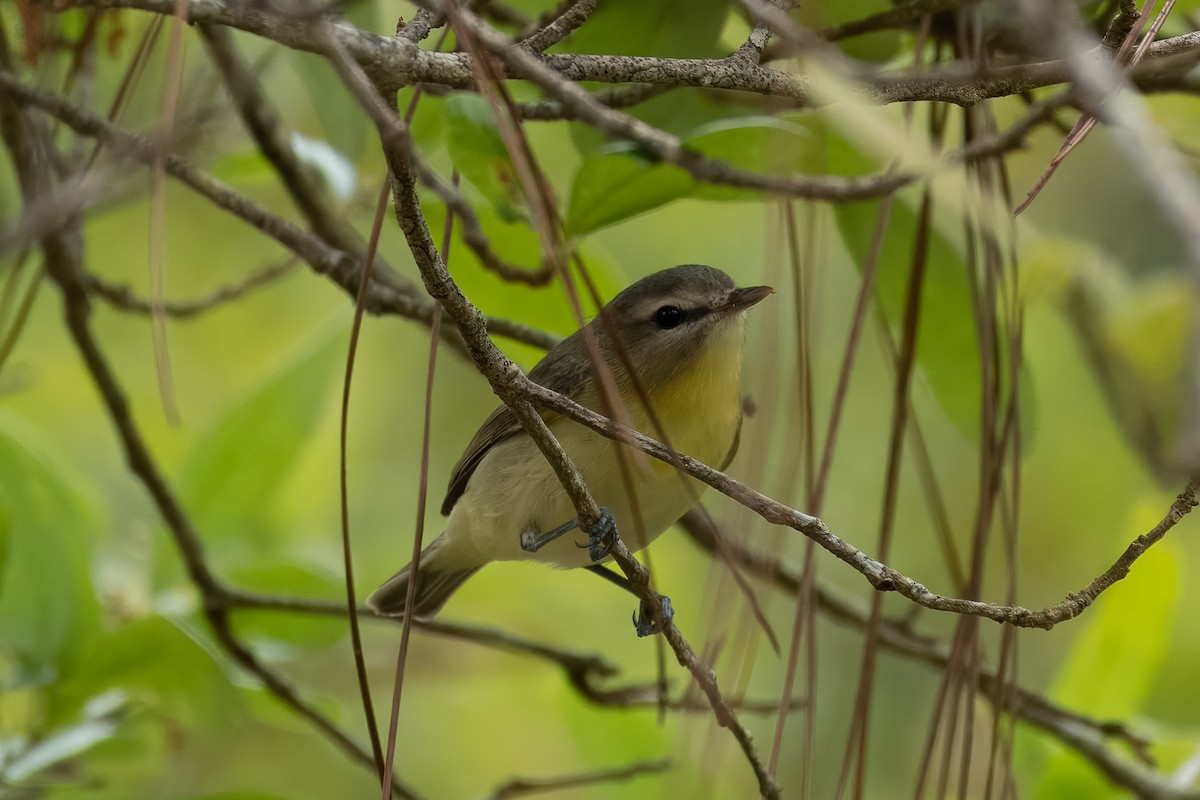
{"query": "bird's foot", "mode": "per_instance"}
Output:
(602, 536)
(600, 541)
(644, 621)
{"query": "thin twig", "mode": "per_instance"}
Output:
(383, 297)
(521, 787)
(560, 28)
(123, 297)
(1087, 736)
(505, 379)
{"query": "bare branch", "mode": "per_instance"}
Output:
(1089, 737)
(383, 296)
(562, 27)
(879, 575)
(521, 787)
(123, 297)
(64, 264)
(505, 378)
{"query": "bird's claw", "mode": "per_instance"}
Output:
(602, 536)
(643, 619)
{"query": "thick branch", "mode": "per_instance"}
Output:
(396, 62)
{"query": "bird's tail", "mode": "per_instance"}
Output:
(435, 583)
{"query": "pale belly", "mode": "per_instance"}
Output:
(514, 490)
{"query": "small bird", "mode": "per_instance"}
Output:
(682, 330)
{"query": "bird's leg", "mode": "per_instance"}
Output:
(532, 541)
(602, 536)
(643, 620)
(600, 539)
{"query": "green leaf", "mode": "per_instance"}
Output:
(236, 468)
(667, 28)
(947, 345)
(241, 796)
(342, 119)
(760, 144)
(479, 154)
(1115, 661)
(156, 662)
(615, 185)
(48, 607)
(99, 722)
(1138, 331)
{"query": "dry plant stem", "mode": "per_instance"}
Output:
(63, 260)
(1120, 36)
(63, 266)
(856, 745)
(422, 497)
(522, 787)
(805, 587)
(382, 765)
(274, 141)
(1086, 736)
(158, 214)
(506, 379)
(881, 576)
(343, 268)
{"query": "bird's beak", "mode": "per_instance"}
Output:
(741, 299)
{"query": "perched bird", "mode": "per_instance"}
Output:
(682, 331)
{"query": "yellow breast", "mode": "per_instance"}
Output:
(700, 407)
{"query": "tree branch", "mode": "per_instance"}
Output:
(505, 378)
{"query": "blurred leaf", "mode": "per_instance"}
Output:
(238, 465)
(1136, 331)
(1114, 664)
(877, 46)
(98, 723)
(479, 154)
(616, 185)
(152, 660)
(760, 144)
(667, 28)
(241, 796)
(295, 580)
(947, 345)
(48, 607)
(428, 127)
(334, 168)
(342, 119)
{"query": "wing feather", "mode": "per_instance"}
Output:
(565, 369)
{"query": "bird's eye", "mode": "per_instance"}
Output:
(668, 317)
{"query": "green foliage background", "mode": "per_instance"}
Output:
(110, 685)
